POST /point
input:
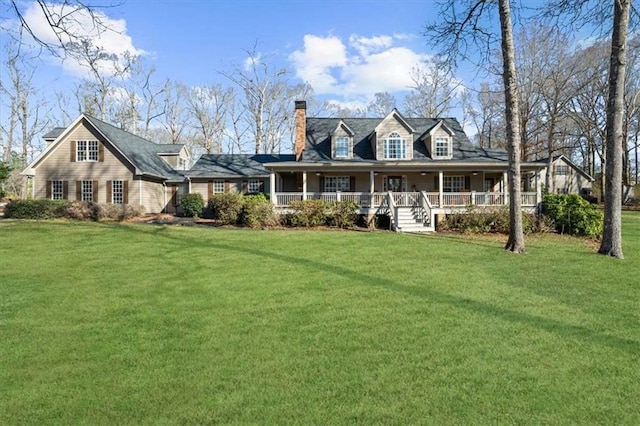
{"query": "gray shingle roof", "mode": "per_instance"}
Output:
(141, 152)
(318, 144)
(235, 165)
(54, 133)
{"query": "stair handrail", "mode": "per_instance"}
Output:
(425, 207)
(393, 209)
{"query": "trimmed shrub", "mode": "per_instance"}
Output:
(226, 207)
(257, 212)
(80, 210)
(192, 205)
(484, 220)
(110, 211)
(343, 214)
(573, 215)
(36, 209)
(309, 213)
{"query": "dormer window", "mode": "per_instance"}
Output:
(442, 147)
(394, 147)
(342, 147)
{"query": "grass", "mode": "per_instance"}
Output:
(124, 323)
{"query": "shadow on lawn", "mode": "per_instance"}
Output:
(546, 324)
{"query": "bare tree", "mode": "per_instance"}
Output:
(263, 89)
(381, 105)
(433, 90)
(68, 20)
(612, 234)
(209, 106)
(454, 34)
(26, 116)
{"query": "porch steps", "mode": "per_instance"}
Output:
(408, 221)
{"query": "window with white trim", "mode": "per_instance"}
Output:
(442, 147)
(57, 190)
(453, 183)
(117, 192)
(342, 147)
(337, 183)
(86, 151)
(253, 186)
(218, 186)
(182, 164)
(87, 190)
(394, 147)
(562, 170)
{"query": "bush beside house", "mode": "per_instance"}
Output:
(64, 209)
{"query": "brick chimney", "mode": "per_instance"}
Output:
(301, 128)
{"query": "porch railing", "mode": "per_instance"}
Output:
(408, 199)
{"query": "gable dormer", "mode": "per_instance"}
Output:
(342, 142)
(175, 156)
(439, 141)
(392, 139)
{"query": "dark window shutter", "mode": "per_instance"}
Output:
(436, 183)
(299, 182)
(65, 189)
(352, 183)
(321, 183)
(94, 187)
(109, 187)
(100, 152)
(78, 190)
(125, 192)
(72, 152)
(245, 187)
(261, 186)
(467, 183)
(209, 190)
(48, 190)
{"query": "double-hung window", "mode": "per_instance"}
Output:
(562, 170)
(117, 192)
(394, 147)
(453, 183)
(442, 147)
(337, 183)
(218, 186)
(57, 190)
(253, 186)
(342, 147)
(87, 190)
(86, 151)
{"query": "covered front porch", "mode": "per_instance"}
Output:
(444, 190)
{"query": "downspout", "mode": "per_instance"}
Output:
(189, 185)
(140, 190)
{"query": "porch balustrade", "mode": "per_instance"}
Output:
(408, 199)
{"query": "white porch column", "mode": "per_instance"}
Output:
(272, 187)
(538, 188)
(372, 187)
(304, 185)
(505, 186)
(440, 185)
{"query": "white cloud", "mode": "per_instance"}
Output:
(315, 63)
(111, 36)
(359, 69)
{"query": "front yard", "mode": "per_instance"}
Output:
(130, 323)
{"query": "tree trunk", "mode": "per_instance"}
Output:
(612, 235)
(516, 235)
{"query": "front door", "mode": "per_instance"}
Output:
(489, 183)
(394, 183)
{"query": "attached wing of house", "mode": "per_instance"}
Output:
(565, 177)
(94, 161)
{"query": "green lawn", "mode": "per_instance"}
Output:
(130, 324)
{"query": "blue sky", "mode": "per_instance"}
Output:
(347, 50)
